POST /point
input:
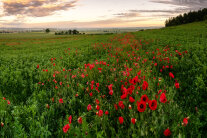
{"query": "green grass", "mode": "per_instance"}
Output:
(26, 116)
(40, 43)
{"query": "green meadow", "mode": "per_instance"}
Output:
(102, 81)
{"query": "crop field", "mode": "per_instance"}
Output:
(150, 83)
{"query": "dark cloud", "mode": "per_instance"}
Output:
(36, 8)
(153, 13)
(189, 4)
(173, 11)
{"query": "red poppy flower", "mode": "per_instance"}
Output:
(159, 91)
(61, 100)
(163, 98)
(70, 119)
(121, 104)
(171, 75)
(144, 85)
(80, 120)
(131, 99)
(91, 94)
(100, 113)
(144, 98)
(82, 75)
(153, 104)
(8, 102)
(97, 84)
(133, 120)
(38, 66)
(91, 87)
(97, 107)
(110, 86)
(177, 85)
(111, 92)
(121, 120)
(141, 106)
(185, 121)
(65, 128)
(97, 101)
(124, 96)
(4, 98)
(89, 107)
(167, 132)
(107, 112)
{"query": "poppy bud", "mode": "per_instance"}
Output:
(130, 107)
(196, 108)
(133, 120)
(52, 99)
(80, 120)
(70, 119)
(47, 106)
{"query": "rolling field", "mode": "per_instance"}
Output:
(149, 83)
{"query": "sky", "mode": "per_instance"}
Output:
(92, 13)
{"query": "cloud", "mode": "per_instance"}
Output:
(188, 4)
(129, 14)
(36, 8)
(161, 13)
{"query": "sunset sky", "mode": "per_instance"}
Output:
(92, 13)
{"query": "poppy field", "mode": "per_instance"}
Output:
(149, 83)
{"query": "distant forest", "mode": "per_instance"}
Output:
(192, 16)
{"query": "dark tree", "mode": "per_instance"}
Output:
(192, 16)
(75, 31)
(47, 30)
(69, 32)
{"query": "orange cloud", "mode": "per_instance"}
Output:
(36, 8)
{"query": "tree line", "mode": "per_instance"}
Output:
(69, 32)
(192, 16)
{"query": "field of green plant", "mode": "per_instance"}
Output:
(150, 83)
